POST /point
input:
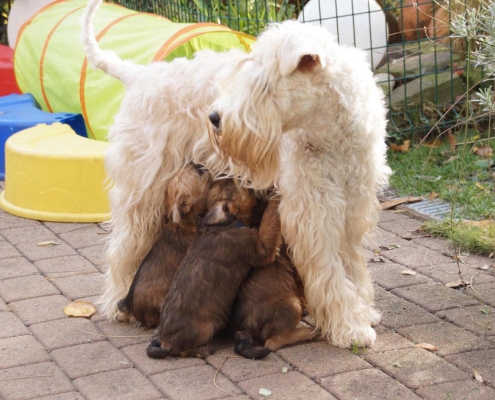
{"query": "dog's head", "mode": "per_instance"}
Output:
(228, 202)
(187, 193)
(273, 89)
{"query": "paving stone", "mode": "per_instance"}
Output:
(318, 359)
(434, 297)
(367, 384)
(8, 221)
(124, 334)
(433, 243)
(34, 252)
(387, 340)
(468, 390)
(10, 325)
(90, 235)
(3, 306)
(28, 234)
(63, 396)
(286, 386)
(194, 383)
(21, 350)
(65, 266)
(393, 215)
(66, 332)
(389, 276)
(416, 367)
(89, 359)
(15, 267)
(26, 287)
(448, 338)
(414, 256)
(482, 361)
(398, 313)
(7, 250)
(78, 286)
(95, 254)
(40, 309)
(485, 292)
(64, 227)
(151, 366)
(241, 369)
(123, 384)
(382, 294)
(479, 318)
(449, 272)
(408, 226)
(32, 381)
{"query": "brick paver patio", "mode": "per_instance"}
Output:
(44, 354)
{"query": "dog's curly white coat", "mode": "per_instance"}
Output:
(299, 112)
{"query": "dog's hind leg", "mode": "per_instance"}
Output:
(301, 334)
(243, 345)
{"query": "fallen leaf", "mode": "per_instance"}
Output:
(433, 144)
(403, 148)
(265, 392)
(450, 159)
(388, 247)
(490, 255)
(457, 284)
(482, 187)
(426, 346)
(486, 311)
(485, 222)
(284, 370)
(79, 308)
(397, 365)
(395, 202)
(408, 272)
(433, 195)
(48, 243)
(477, 375)
(451, 139)
(483, 151)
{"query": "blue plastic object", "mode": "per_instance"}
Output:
(20, 111)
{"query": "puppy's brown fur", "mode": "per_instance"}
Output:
(186, 199)
(268, 309)
(201, 297)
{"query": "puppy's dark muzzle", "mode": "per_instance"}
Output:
(215, 120)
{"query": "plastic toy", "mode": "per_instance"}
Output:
(7, 77)
(55, 175)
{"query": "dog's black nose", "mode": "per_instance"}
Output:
(215, 119)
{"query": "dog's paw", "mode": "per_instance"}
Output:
(364, 337)
(375, 317)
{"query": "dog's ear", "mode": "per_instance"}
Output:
(295, 54)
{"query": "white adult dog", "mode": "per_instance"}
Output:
(299, 112)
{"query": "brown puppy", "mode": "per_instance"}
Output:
(200, 300)
(268, 308)
(186, 199)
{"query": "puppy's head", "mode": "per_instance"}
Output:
(187, 193)
(228, 202)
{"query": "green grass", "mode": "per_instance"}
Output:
(424, 170)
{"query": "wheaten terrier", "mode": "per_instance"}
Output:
(300, 113)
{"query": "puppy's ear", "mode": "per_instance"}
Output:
(295, 54)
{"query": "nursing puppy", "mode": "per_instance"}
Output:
(268, 309)
(185, 200)
(201, 298)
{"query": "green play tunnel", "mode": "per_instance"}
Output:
(50, 62)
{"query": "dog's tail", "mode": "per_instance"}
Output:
(243, 345)
(107, 61)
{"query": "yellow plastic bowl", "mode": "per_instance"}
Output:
(52, 174)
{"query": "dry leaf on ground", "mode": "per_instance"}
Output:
(433, 195)
(79, 308)
(408, 272)
(403, 148)
(396, 202)
(426, 346)
(485, 222)
(457, 284)
(48, 243)
(482, 187)
(452, 141)
(483, 151)
(477, 375)
(433, 144)
(265, 392)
